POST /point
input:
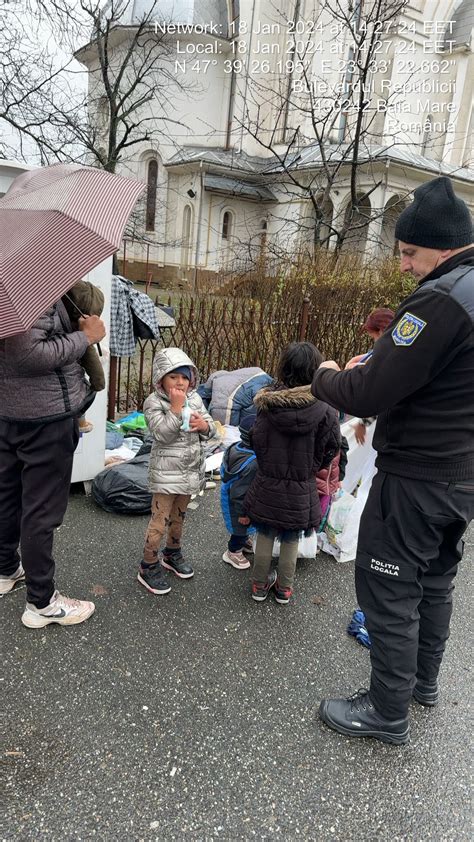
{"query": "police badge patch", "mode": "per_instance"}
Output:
(407, 329)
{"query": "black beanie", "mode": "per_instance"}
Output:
(437, 219)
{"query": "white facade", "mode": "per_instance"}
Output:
(209, 209)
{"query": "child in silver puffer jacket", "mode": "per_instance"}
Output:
(177, 463)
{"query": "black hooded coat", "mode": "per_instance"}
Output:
(293, 437)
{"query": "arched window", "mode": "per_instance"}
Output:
(186, 240)
(152, 180)
(227, 226)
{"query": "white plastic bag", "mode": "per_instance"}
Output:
(339, 537)
(307, 547)
(360, 457)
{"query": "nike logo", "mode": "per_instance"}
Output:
(60, 613)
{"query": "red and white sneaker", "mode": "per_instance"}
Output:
(260, 590)
(7, 583)
(282, 595)
(61, 610)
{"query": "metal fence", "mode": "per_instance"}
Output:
(228, 333)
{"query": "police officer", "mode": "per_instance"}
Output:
(420, 384)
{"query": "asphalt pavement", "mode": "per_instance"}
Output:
(193, 716)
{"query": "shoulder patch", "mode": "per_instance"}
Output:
(407, 329)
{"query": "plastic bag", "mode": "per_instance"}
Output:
(123, 488)
(360, 457)
(307, 546)
(135, 422)
(339, 513)
(339, 537)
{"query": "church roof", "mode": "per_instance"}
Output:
(309, 157)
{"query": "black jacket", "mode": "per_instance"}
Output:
(294, 436)
(419, 380)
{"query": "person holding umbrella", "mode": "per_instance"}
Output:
(56, 224)
(42, 392)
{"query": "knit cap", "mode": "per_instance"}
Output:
(437, 218)
(182, 369)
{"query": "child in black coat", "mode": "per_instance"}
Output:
(294, 436)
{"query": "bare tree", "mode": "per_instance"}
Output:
(319, 130)
(63, 114)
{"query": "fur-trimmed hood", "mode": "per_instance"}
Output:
(294, 411)
(271, 397)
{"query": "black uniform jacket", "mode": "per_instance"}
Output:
(419, 380)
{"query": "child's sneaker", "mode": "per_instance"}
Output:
(153, 579)
(248, 547)
(7, 583)
(237, 560)
(259, 591)
(282, 595)
(176, 563)
(61, 610)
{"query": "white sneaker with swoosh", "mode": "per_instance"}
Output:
(7, 583)
(61, 610)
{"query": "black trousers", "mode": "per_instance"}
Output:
(410, 544)
(35, 475)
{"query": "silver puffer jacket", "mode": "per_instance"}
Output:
(177, 458)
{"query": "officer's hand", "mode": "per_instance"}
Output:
(245, 521)
(93, 327)
(354, 361)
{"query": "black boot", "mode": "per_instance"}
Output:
(426, 693)
(357, 717)
(173, 560)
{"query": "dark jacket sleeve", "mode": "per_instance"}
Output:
(331, 439)
(396, 371)
(343, 458)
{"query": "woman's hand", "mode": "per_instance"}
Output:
(198, 423)
(245, 521)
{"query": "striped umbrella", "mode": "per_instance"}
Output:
(56, 224)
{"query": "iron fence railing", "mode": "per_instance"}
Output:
(227, 332)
